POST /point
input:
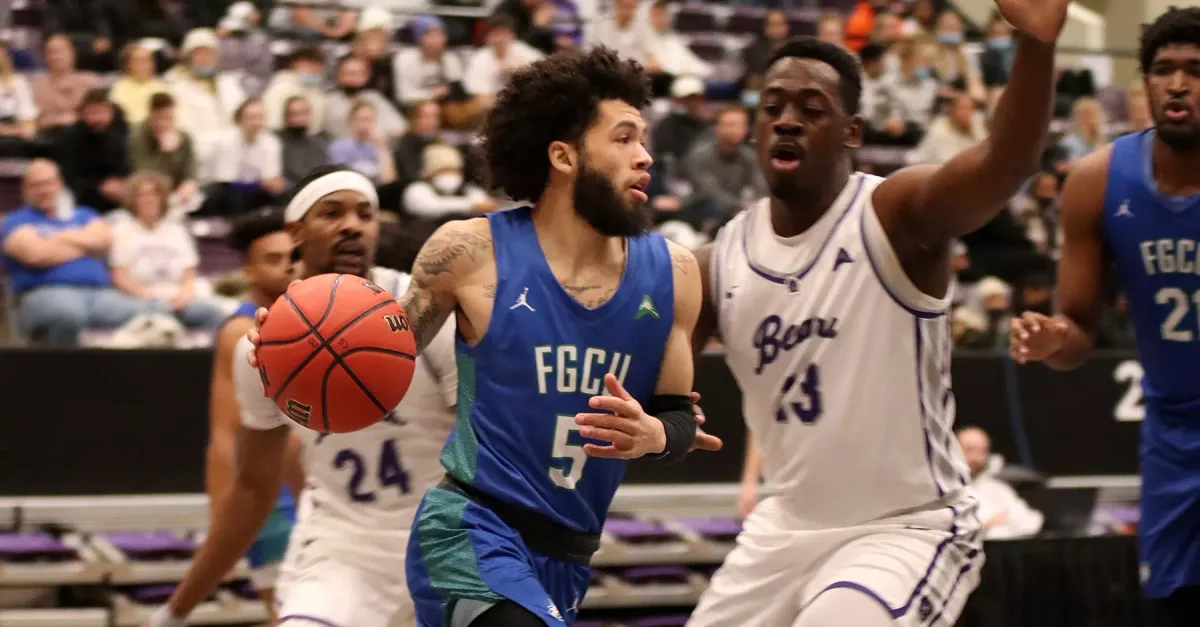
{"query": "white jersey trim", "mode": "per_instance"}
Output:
(891, 274)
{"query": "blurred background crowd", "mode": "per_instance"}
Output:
(133, 131)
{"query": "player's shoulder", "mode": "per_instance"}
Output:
(1087, 184)
(683, 259)
(457, 249)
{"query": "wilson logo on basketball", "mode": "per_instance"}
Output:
(396, 322)
(298, 411)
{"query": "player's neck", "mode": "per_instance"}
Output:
(567, 238)
(796, 214)
(262, 298)
(1175, 170)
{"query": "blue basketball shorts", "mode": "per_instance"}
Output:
(266, 554)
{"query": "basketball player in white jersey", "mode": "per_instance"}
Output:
(830, 299)
(344, 564)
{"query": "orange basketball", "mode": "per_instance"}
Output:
(337, 354)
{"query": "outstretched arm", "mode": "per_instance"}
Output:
(924, 207)
(452, 254)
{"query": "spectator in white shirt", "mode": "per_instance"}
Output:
(916, 89)
(153, 257)
(960, 128)
(670, 49)
(442, 191)
(302, 78)
(205, 97)
(352, 87)
(18, 113)
(430, 72)
(491, 65)
(622, 31)
(1004, 514)
(249, 173)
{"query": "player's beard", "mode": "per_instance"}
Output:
(599, 203)
(1180, 139)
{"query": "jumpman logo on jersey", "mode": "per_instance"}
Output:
(645, 308)
(1123, 210)
(523, 301)
(842, 257)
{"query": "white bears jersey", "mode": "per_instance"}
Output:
(369, 482)
(843, 364)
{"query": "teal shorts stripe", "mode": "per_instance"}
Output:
(447, 550)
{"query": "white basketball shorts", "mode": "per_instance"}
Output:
(323, 585)
(919, 566)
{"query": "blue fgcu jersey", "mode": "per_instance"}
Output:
(542, 357)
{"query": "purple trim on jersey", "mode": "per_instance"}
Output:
(902, 610)
(921, 406)
(319, 621)
(775, 278)
(714, 274)
(962, 572)
(879, 275)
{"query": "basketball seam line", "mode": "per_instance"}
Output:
(324, 315)
(325, 344)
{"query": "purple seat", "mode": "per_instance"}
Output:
(33, 547)
(746, 21)
(637, 531)
(589, 623)
(152, 595)
(720, 529)
(655, 574)
(661, 621)
(709, 51)
(152, 545)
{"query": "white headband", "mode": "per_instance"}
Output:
(340, 181)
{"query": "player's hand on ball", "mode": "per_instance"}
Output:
(1034, 337)
(631, 431)
(703, 441)
(1041, 19)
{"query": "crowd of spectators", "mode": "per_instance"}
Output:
(144, 115)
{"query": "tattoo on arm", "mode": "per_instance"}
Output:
(489, 290)
(430, 300)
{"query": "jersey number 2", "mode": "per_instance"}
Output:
(569, 455)
(806, 405)
(390, 472)
(1178, 299)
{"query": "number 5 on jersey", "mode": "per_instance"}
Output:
(567, 457)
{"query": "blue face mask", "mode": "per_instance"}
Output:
(308, 79)
(999, 43)
(750, 99)
(950, 39)
(204, 72)
(923, 72)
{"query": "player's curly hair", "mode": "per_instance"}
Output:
(249, 227)
(1176, 26)
(847, 67)
(554, 99)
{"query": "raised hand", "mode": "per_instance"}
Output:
(631, 431)
(1041, 19)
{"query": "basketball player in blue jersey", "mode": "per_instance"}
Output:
(268, 267)
(1136, 202)
(830, 298)
(573, 349)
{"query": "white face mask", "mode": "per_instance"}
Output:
(447, 182)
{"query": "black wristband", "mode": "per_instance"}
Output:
(675, 412)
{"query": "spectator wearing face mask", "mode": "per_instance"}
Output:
(491, 65)
(916, 89)
(442, 191)
(366, 151)
(153, 257)
(94, 154)
(206, 98)
(249, 174)
(302, 78)
(302, 151)
(995, 63)
(352, 87)
(137, 83)
(245, 46)
(951, 65)
(428, 71)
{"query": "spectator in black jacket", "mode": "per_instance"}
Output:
(87, 23)
(303, 151)
(93, 153)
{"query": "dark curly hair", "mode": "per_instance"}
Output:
(554, 99)
(836, 56)
(248, 228)
(1176, 26)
